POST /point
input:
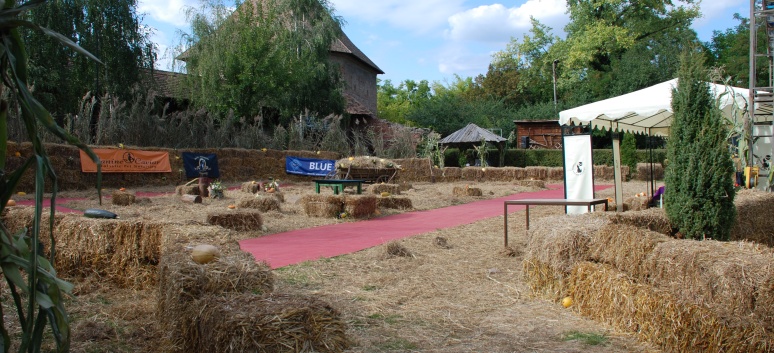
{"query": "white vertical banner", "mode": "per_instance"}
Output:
(578, 171)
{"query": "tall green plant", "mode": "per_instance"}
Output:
(36, 291)
(629, 151)
(699, 176)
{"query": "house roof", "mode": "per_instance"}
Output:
(167, 83)
(472, 133)
(344, 45)
(354, 106)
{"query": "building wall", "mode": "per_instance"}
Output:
(546, 135)
(359, 79)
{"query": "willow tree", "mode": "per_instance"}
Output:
(268, 55)
(699, 176)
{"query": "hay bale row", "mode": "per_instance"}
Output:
(449, 174)
(239, 220)
(360, 206)
(403, 203)
(626, 247)
(263, 203)
(393, 189)
(606, 294)
(472, 173)
(644, 171)
(753, 222)
(415, 169)
(466, 191)
(123, 252)
(537, 173)
(562, 241)
(498, 174)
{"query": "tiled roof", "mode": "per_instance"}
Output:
(354, 106)
(344, 45)
(167, 83)
(471, 134)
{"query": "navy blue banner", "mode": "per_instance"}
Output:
(200, 165)
(309, 166)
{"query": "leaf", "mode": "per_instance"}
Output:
(43, 300)
(13, 274)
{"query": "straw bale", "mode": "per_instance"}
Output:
(520, 174)
(449, 174)
(403, 203)
(555, 245)
(539, 173)
(626, 247)
(395, 248)
(250, 323)
(643, 171)
(239, 220)
(556, 173)
(466, 191)
(261, 202)
(499, 174)
(472, 173)
(366, 162)
(251, 187)
(122, 198)
(654, 219)
(540, 184)
(609, 295)
(360, 206)
(122, 251)
(18, 218)
(415, 169)
(323, 209)
(753, 221)
(405, 186)
(377, 189)
(637, 203)
(187, 189)
(728, 277)
(442, 243)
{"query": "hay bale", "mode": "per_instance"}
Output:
(654, 219)
(251, 187)
(327, 206)
(377, 189)
(278, 195)
(187, 190)
(538, 184)
(261, 202)
(121, 251)
(395, 248)
(555, 244)
(656, 316)
(405, 186)
(403, 203)
(752, 222)
(626, 247)
(250, 323)
(733, 279)
(360, 206)
(520, 174)
(536, 173)
(466, 191)
(556, 173)
(498, 174)
(637, 203)
(239, 220)
(122, 198)
(449, 174)
(472, 173)
(644, 171)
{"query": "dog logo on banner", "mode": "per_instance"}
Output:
(578, 168)
(202, 167)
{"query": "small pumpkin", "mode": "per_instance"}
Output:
(232, 206)
(271, 190)
(122, 189)
(11, 203)
(385, 194)
(21, 193)
(566, 302)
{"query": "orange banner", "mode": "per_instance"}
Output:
(127, 161)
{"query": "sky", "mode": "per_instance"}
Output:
(430, 40)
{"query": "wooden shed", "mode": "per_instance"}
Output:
(538, 134)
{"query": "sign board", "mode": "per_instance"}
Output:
(127, 161)
(578, 171)
(309, 166)
(200, 165)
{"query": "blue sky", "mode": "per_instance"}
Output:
(429, 39)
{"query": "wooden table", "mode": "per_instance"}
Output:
(543, 202)
(338, 185)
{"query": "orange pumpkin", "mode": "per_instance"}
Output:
(232, 206)
(11, 203)
(122, 189)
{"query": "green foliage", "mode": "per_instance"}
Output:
(629, 151)
(263, 56)
(699, 176)
(591, 339)
(37, 294)
(730, 49)
(394, 103)
(109, 29)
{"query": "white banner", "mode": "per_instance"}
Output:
(579, 172)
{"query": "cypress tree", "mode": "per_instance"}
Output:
(699, 176)
(629, 152)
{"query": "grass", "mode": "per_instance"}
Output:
(591, 339)
(398, 344)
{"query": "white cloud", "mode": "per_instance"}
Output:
(497, 23)
(460, 60)
(170, 11)
(419, 16)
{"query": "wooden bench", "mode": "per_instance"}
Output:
(543, 202)
(338, 185)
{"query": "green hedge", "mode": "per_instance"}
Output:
(549, 158)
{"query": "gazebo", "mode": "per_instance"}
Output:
(472, 135)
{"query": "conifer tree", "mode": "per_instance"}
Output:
(699, 177)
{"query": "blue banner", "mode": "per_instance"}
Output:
(309, 166)
(200, 165)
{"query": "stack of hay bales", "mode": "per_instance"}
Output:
(681, 295)
(644, 170)
(229, 306)
(753, 222)
(239, 220)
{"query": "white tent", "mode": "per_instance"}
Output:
(649, 110)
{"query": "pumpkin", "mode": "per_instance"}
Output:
(385, 194)
(566, 302)
(232, 206)
(21, 193)
(122, 189)
(205, 253)
(271, 190)
(17, 154)
(11, 203)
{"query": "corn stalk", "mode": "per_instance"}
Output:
(38, 298)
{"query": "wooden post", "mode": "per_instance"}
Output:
(617, 172)
(191, 198)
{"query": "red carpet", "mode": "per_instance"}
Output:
(282, 249)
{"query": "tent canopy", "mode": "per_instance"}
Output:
(649, 110)
(471, 133)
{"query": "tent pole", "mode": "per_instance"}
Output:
(617, 171)
(650, 150)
